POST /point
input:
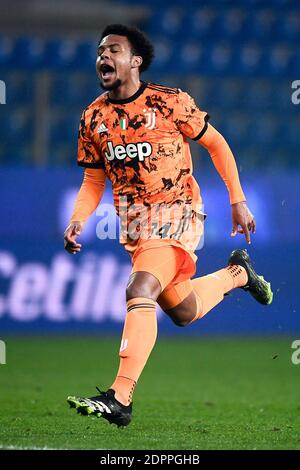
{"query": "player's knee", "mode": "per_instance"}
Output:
(134, 291)
(142, 286)
(181, 322)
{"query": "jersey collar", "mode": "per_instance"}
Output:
(131, 98)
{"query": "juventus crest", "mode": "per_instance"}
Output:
(150, 118)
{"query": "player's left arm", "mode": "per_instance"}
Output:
(243, 220)
(193, 123)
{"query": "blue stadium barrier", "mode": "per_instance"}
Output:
(44, 289)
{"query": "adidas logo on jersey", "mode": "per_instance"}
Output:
(102, 128)
(139, 150)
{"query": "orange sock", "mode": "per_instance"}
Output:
(211, 288)
(138, 339)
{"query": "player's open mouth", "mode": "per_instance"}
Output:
(106, 71)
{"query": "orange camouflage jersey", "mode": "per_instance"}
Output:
(141, 144)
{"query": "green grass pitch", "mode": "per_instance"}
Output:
(199, 393)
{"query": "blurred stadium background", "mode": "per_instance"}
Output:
(238, 58)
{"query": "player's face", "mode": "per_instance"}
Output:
(114, 61)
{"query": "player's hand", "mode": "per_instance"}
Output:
(243, 220)
(71, 233)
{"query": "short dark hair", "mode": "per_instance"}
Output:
(140, 44)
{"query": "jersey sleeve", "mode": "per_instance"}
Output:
(189, 119)
(90, 194)
(88, 155)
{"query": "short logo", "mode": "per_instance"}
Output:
(140, 150)
(151, 118)
(124, 344)
(102, 128)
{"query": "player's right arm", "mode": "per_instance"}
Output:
(92, 187)
(88, 199)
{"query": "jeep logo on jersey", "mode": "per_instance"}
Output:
(139, 150)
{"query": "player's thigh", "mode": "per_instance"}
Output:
(179, 302)
(153, 269)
